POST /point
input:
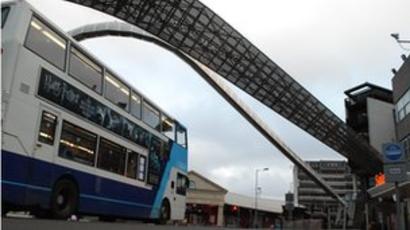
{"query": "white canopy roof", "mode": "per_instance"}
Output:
(264, 204)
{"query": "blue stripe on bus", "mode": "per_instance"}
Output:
(114, 200)
(81, 195)
(26, 185)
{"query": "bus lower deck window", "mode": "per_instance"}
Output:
(111, 157)
(182, 184)
(141, 167)
(77, 144)
(132, 164)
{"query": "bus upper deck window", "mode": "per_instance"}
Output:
(117, 92)
(46, 43)
(4, 14)
(85, 70)
(150, 116)
(135, 105)
(181, 136)
(168, 127)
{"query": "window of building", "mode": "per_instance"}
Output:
(117, 92)
(132, 164)
(150, 116)
(406, 146)
(182, 184)
(142, 162)
(85, 70)
(135, 105)
(77, 144)
(168, 127)
(111, 157)
(181, 136)
(46, 43)
(47, 128)
(4, 14)
(403, 106)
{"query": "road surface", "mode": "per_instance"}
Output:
(18, 223)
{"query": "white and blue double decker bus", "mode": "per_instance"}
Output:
(76, 138)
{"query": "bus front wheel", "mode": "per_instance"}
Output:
(164, 214)
(64, 199)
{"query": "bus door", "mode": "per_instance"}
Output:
(179, 196)
(43, 156)
(46, 137)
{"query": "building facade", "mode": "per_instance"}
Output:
(209, 204)
(401, 100)
(205, 201)
(321, 205)
(382, 195)
(382, 116)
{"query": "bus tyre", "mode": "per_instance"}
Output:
(64, 199)
(164, 213)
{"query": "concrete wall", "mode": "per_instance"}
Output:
(381, 122)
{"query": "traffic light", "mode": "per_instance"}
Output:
(234, 208)
(379, 179)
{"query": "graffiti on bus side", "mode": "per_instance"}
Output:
(62, 93)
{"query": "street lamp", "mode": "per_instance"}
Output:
(396, 36)
(399, 41)
(257, 189)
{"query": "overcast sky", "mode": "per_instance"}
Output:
(326, 45)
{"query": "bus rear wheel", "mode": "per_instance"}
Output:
(164, 213)
(64, 199)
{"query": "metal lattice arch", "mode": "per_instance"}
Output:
(127, 30)
(196, 31)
